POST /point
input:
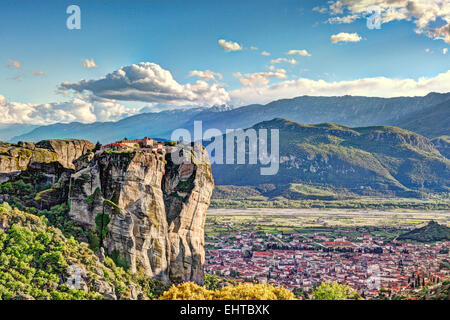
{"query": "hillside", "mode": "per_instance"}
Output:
(433, 231)
(431, 122)
(346, 110)
(442, 144)
(38, 262)
(363, 160)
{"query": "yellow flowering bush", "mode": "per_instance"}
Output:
(192, 291)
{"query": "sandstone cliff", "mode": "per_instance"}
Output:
(156, 209)
(147, 210)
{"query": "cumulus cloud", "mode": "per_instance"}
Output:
(423, 13)
(280, 60)
(148, 82)
(14, 64)
(374, 87)
(265, 53)
(38, 73)
(444, 51)
(206, 75)
(303, 53)
(78, 109)
(259, 78)
(345, 37)
(88, 64)
(229, 46)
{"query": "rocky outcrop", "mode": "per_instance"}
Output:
(43, 164)
(16, 158)
(155, 209)
(187, 189)
(67, 150)
(145, 209)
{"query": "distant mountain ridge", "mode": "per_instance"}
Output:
(431, 122)
(364, 160)
(9, 131)
(347, 110)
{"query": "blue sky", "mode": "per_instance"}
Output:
(182, 36)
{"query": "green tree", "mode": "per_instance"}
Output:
(334, 291)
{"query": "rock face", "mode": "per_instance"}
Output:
(156, 209)
(67, 151)
(187, 190)
(43, 164)
(15, 158)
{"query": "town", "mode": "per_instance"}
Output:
(368, 263)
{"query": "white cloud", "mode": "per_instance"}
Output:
(229, 46)
(88, 63)
(345, 19)
(259, 78)
(320, 9)
(336, 7)
(303, 53)
(423, 13)
(279, 60)
(265, 53)
(427, 50)
(374, 87)
(14, 64)
(345, 37)
(148, 82)
(79, 109)
(253, 48)
(206, 75)
(444, 51)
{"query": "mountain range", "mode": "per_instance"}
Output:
(329, 146)
(431, 122)
(429, 115)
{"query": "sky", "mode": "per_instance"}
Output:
(138, 56)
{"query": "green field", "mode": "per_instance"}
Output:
(228, 221)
